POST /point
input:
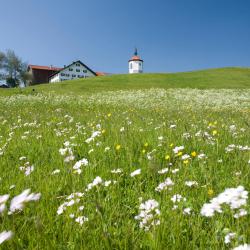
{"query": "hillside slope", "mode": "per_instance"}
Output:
(220, 78)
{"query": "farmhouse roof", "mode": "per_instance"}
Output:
(44, 67)
(71, 65)
(101, 73)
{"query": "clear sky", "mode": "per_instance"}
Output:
(171, 35)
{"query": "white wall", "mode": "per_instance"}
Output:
(137, 67)
(55, 78)
(75, 71)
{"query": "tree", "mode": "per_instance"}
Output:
(13, 64)
(24, 75)
(2, 60)
(2, 64)
(14, 68)
(11, 82)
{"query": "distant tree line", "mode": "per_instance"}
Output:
(13, 69)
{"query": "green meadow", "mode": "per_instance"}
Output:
(150, 161)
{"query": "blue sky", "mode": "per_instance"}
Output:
(171, 36)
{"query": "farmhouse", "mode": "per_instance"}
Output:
(73, 71)
(40, 74)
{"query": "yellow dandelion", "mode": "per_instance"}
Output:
(109, 114)
(193, 153)
(167, 157)
(214, 132)
(180, 153)
(118, 147)
(171, 145)
(210, 192)
(186, 162)
(143, 151)
(146, 145)
(103, 131)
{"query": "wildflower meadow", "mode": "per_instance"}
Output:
(125, 169)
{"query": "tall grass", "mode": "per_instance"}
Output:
(96, 203)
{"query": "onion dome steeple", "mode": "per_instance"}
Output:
(136, 53)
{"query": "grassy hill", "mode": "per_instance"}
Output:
(164, 163)
(204, 79)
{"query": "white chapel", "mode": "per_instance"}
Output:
(135, 64)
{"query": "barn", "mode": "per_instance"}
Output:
(41, 74)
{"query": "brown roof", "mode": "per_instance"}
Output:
(101, 73)
(136, 58)
(44, 67)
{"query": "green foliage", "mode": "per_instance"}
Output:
(11, 82)
(2, 59)
(13, 67)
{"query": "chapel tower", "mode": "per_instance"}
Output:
(135, 64)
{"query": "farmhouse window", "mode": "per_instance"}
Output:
(70, 69)
(62, 74)
(84, 71)
(73, 75)
(77, 70)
